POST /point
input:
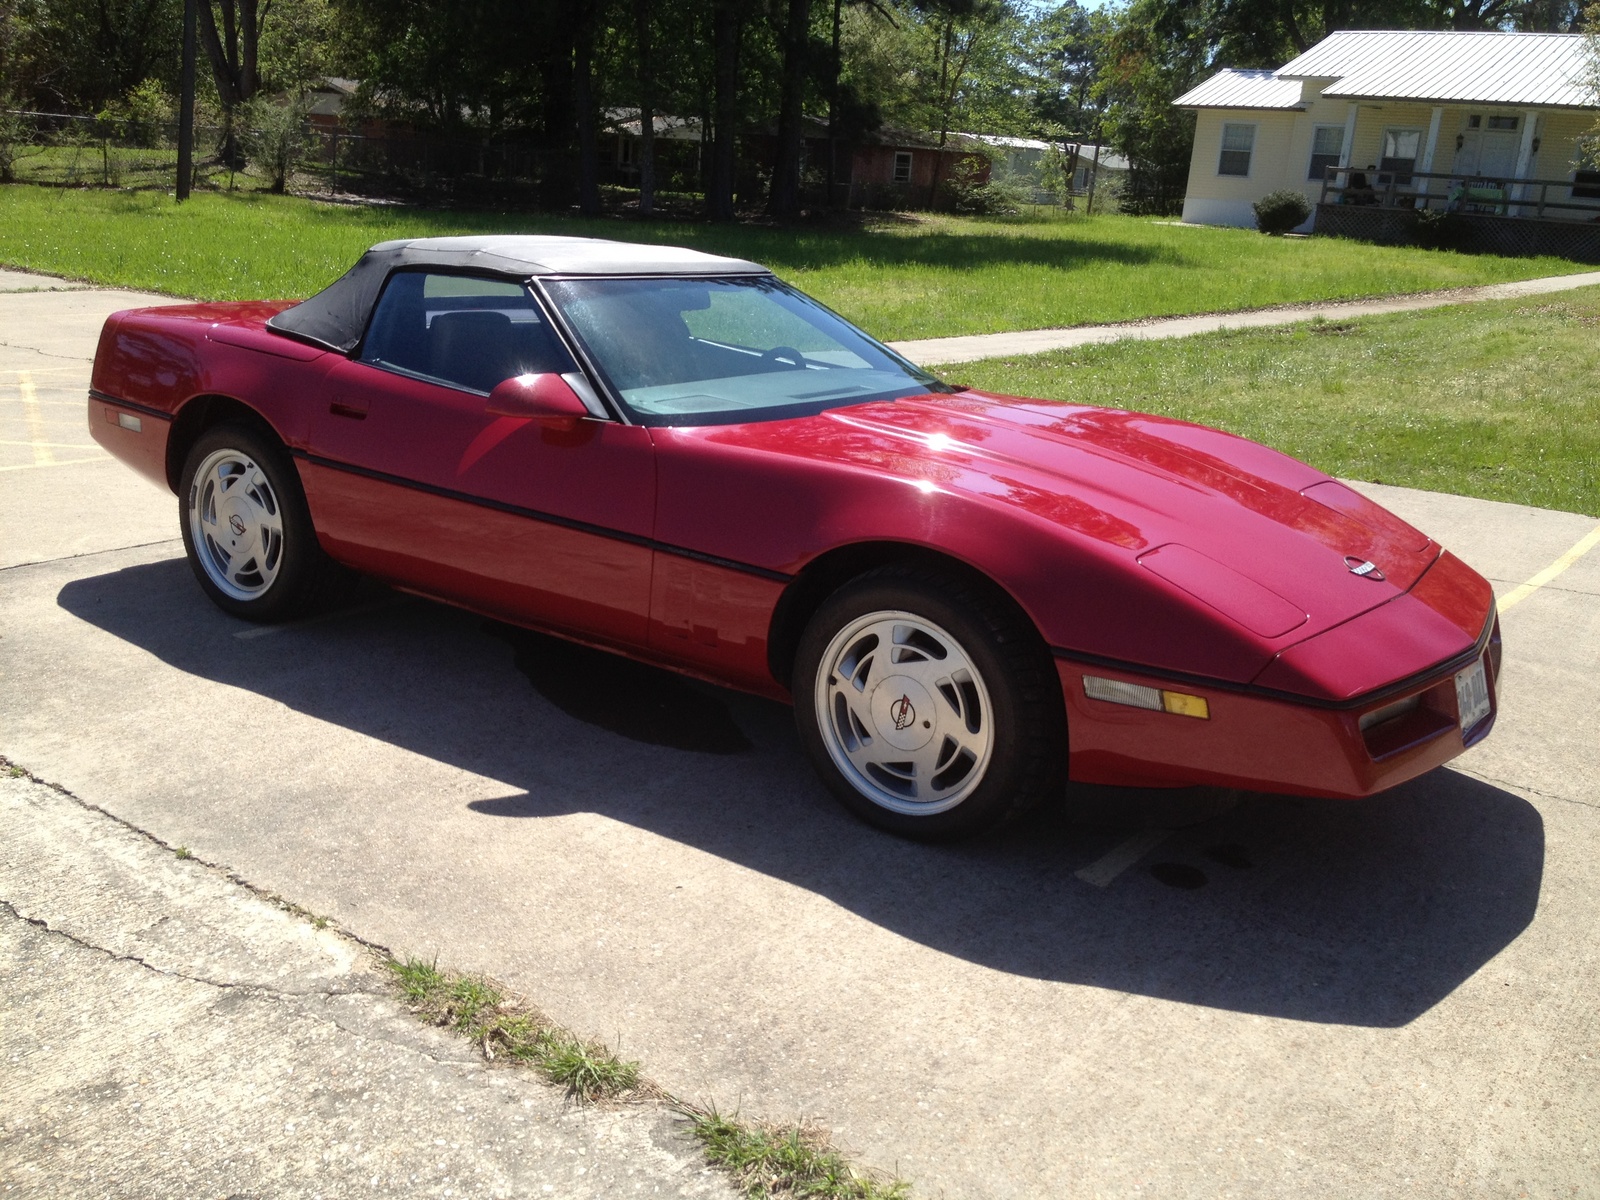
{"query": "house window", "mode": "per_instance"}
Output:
(1327, 145)
(1400, 148)
(1475, 121)
(1586, 185)
(1237, 143)
(1502, 122)
(902, 166)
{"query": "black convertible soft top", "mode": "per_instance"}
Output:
(336, 316)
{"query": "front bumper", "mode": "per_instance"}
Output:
(1261, 739)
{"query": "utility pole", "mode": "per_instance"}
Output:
(186, 102)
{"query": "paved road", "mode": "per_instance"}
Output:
(1394, 997)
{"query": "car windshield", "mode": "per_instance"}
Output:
(728, 350)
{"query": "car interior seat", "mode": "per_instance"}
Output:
(472, 348)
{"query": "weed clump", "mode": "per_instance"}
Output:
(793, 1161)
(505, 1029)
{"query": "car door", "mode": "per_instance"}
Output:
(410, 477)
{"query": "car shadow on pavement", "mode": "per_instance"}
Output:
(1362, 913)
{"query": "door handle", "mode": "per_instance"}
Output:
(356, 410)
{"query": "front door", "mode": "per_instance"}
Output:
(410, 478)
(1489, 149)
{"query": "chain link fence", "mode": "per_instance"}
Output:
(323, 159)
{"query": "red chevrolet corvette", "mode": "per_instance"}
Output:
(674, 456)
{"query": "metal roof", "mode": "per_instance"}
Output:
(1232, 88)
(1540, 70)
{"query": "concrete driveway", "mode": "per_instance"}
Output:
(1285, 998)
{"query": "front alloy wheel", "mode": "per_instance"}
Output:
(904, 713)
(928, 702)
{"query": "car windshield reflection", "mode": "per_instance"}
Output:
(716, 351)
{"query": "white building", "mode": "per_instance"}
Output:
(1486, 124)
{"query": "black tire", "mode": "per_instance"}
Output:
(293, 575)
(1025, 756)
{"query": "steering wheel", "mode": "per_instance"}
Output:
(787, 355)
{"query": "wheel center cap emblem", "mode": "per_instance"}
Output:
(902, 712)
(1362, 567)
(235, 524)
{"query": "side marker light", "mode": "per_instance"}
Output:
(130, 422)
(1137, 696)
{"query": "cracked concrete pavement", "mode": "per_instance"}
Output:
(165, 1032)
(1388, 998)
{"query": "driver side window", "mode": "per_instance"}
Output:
(461, 330)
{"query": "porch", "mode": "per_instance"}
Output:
(1481, 214)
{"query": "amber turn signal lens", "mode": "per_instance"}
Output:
(1137, 696)
(1185, 705)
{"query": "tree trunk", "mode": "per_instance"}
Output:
(232, 52)
(552, 50)
(583, 98)
(836, 69)
(946, 95)
(727, 25)
(785, 198)
(647, 110)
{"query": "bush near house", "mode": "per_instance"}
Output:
(1279, 212)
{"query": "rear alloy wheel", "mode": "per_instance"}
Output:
(927, 705)
(246, 527)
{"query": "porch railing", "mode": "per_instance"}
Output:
(1506, 196)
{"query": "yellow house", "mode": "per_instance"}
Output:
(1374, 127)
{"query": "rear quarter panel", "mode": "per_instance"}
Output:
(154, 362)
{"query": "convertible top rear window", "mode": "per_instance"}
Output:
(727, 350)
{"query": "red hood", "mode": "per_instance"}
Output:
(1196, 506)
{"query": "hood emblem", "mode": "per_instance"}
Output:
(1362, 567)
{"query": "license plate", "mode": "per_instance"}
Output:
(1472, 695)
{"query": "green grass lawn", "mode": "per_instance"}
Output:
(1499, 400)
(900, 278)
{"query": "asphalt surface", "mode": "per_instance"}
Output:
(1128, 995)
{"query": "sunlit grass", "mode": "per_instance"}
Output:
(504, 1029)
(1496, 400)
(901, 278)
(790, 1161)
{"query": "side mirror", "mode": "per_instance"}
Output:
(547, 398)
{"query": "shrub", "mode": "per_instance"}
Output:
(997, 196)
(142, 118)
(1109, 188)
(1279, 212)
(276, 136)
(13, 137)
(1437, 229)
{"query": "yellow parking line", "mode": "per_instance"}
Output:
(1523, 590)
(59, 462)
(43, 455)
